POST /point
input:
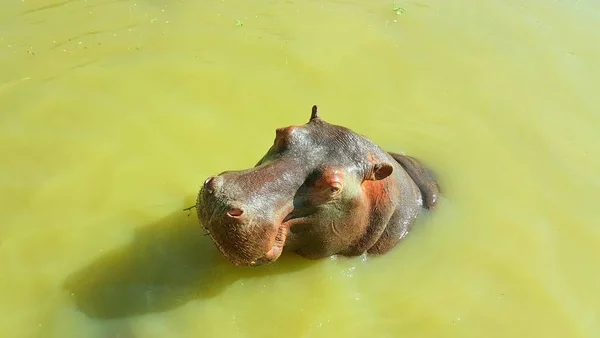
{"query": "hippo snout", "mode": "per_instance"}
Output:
(212, 187)
(243, 227)
(213, 183)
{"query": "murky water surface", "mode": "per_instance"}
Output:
(112, 113)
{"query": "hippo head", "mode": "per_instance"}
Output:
(311, 180)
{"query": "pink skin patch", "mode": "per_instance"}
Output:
(235, 212)
(277, 248)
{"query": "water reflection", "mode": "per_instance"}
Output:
(168, 264)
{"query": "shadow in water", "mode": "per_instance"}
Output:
(168, 264)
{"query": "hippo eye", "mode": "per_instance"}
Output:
(335, 187)
(284, 136)
(325, 184)
(281, 138)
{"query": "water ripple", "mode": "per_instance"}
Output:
(43, 8)
(92, 33)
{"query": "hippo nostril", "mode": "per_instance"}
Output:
(235, 212)
(212, 183)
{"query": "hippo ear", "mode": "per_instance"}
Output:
(314, 113)
(380, 171)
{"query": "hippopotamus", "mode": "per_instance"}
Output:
(321, 190)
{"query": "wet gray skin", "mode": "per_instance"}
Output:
(320, 190)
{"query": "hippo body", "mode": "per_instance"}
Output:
(320, 190)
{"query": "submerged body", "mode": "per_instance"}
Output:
(320, 190)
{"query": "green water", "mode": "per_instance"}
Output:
(112, 114)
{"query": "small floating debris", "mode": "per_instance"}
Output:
(398, 10)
